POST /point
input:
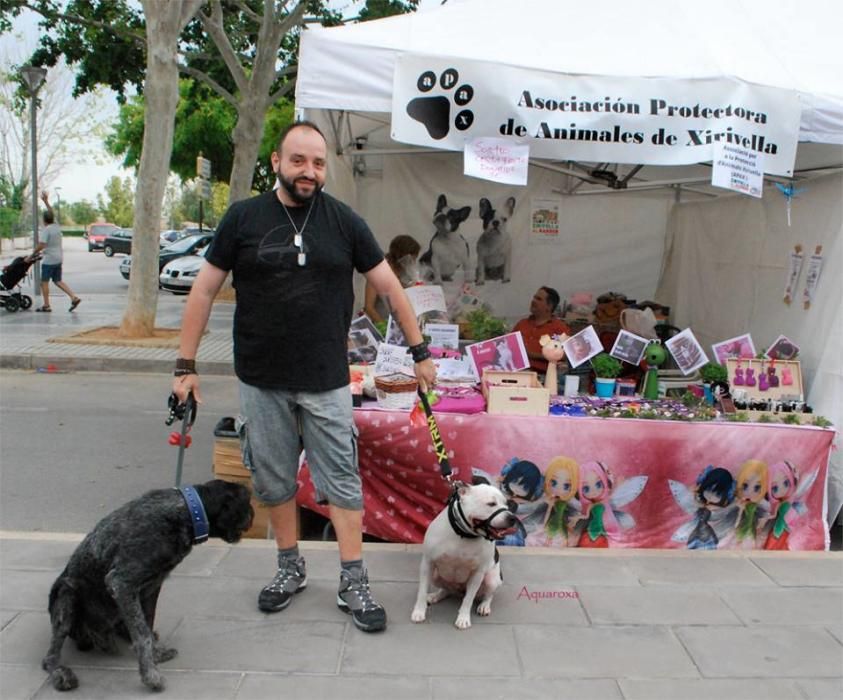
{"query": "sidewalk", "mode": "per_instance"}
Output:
(566, 624)
(24, 338)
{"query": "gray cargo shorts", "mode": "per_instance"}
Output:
(274, 424)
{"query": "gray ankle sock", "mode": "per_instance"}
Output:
(353, 567)
(290, 554)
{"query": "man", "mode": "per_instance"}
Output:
(541, 321)
(292, 252)
(49, 241)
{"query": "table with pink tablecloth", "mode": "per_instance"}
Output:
(652, 469)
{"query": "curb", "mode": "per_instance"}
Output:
(60, 364)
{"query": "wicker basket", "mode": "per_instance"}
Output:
(396, 391)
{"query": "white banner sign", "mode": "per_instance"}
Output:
(443, 102)
(497, 159)
(738, 169)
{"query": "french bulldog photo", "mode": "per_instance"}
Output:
(494, 247)
(448, 250)
(459, 555)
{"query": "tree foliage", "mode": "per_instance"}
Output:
(118, 204)
(82, 212)
(204, 122)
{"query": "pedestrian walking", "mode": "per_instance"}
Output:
(50, 244)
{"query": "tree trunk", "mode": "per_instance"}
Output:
(165, 21)
(246, 138)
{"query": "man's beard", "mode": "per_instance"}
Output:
(290, 187)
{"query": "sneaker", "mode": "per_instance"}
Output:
(355, 598)
(290, 578)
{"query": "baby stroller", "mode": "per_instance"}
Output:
(13, 274)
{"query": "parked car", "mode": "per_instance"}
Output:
(189, 245)
(96, 234)
(119, 241)
(177, 276)
(169, 236)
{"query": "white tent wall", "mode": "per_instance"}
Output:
(606, 242)
(725, 274)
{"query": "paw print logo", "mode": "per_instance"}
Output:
(434, 111)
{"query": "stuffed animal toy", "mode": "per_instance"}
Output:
(554, 353)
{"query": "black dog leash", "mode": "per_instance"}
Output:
(436, 437)
(186, 413)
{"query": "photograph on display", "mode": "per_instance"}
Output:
(582, 347)
(783, 348)
(629, 347)
(687, 351)
(428, 302)
(506, 353)
(740, 346)
(363, 341)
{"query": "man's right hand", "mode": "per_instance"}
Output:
(182, 386)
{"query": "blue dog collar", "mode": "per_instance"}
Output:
(197, 514)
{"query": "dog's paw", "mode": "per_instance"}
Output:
(162, 654)
(154, 680)
(419, 614)
(484, 609)
(64, 678)
(463, 622)
(434, 111)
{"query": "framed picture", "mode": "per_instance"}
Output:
(740, 346)
(363, 341)
(629, 347)
(687, 351)
(506, 352)
(582, 346)
(783, 348)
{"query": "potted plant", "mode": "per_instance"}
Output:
(606, 369)
(712, 372)
(483, 326)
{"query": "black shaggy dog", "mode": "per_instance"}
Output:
(110, 585)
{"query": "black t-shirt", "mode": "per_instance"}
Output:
(291, 321)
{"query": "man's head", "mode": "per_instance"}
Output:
(48, 217)
(300, 161)
(544, 302)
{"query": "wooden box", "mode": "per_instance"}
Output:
(515, 393)
(228, 466)
(782, 392)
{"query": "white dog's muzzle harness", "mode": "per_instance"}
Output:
(461, 524)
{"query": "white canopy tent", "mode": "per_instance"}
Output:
(718, 259)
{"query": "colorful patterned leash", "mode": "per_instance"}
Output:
(436, 437)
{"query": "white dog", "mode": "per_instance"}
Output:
(494, 247)
(504, 356)
(448, 250)
(459, 554)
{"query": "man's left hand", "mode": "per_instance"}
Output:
(426, 374)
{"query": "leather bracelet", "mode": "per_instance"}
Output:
(183, 372)
(182, 363)
(420, 352)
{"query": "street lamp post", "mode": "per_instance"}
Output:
(33, 78)
(58, 204)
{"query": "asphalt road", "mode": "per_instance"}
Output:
(75, 446)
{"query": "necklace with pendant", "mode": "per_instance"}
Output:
(298, 239)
